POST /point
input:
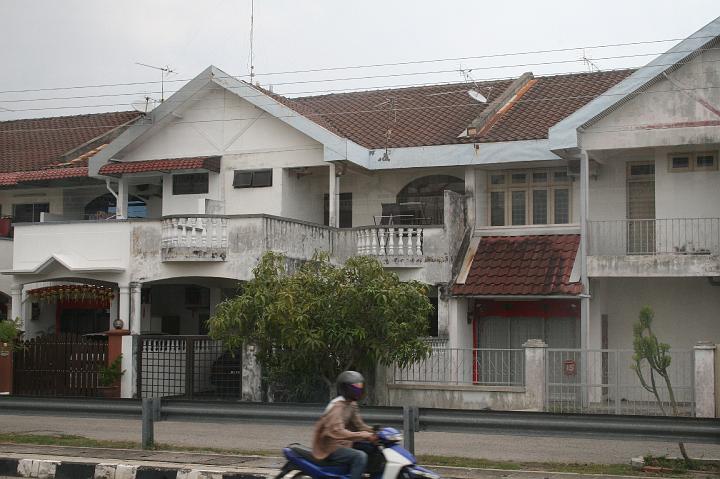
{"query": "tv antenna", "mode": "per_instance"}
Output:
(166, 70)
(591, 66)
(474, 93)
(252, 35)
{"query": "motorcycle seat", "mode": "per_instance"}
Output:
(306, 453)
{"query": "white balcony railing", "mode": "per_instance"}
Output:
(390, 240)
(195, 232)
(680, 236)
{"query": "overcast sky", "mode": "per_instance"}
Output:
(64, 43)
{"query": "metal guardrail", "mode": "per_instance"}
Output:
(697, 430)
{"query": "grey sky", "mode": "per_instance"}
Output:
(54, 43)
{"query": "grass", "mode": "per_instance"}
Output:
(599, 469)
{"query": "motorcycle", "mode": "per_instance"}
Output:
(386, 460)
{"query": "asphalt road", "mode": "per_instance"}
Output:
(272, 437)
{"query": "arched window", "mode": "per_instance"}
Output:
(429, 192)
(105, 206)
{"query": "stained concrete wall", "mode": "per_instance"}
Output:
(666, 114)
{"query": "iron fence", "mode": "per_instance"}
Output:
(187, 366)
(490, 367)
(682, 236)
(603, 381)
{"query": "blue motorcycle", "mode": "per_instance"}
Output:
(386, 460)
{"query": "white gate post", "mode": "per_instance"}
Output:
(535, 358)
(705, 379)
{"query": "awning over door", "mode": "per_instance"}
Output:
(533, 265)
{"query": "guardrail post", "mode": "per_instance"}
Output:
(148, 423)
(410, 425)
(705, 379)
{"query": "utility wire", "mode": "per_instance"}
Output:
(377, 110)
(351, 78)
(499, 55)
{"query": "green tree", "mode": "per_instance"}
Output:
(657, 355)
(310, 325)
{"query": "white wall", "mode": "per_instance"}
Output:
(53, 196)
(188, 204)
(692, 194)
(656, 117)
(687, 310)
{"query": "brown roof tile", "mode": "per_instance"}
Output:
(436, 115)
(33, 144)
(522, 266)
(211, 163)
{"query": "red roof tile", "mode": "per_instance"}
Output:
(522, 266)
(211, 163)
(33, 144)
(436, 115)
(53, 174)
(8, 179)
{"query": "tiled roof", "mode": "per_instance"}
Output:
(549, 100)
(33, 144)
(8, 179)
(211, 163)
(436, 115)
(52, 174)
(522, 266)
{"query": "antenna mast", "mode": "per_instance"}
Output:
(166, 70)
(252, 32)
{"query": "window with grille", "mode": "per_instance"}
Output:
(191, 184)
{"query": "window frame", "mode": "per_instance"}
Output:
(34, 205)
(551, 184)
(204, 174)
(692, 161)
(253, 182)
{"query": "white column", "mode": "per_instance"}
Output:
(135, 308)
(122, 200)
(16, 309)
(705, 379)
(128, 382)
(585, 301)
(124, 305)
(535, 350)
(471, 195)
(332, 195)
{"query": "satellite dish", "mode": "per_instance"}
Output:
(477, 96)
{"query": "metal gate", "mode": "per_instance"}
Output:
(187, 366)
(58, 365)
(602, 381)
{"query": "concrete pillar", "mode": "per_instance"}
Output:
(16, 306)
(705, 379)
(332, 195)
(122, 199)
(114, 312)
(124, 305)
(470, 195)
(135, 308)
(128, 382)
(251, 375)
(535, 390)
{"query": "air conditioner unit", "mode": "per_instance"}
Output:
(573, 169)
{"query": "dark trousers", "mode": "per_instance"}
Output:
(356, 459)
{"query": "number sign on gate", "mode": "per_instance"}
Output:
(569, 367)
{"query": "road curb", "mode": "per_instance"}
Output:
(53, 469)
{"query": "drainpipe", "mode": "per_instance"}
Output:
(332, 196)
(585, 298)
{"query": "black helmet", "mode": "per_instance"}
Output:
(350, 385)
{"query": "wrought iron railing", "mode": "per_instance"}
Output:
(489, 367)
(681, 236)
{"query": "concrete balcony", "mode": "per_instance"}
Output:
(220, 246)
(654, 247)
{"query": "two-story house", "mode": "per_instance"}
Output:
(533, 208)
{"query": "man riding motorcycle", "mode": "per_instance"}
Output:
(341, 425)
